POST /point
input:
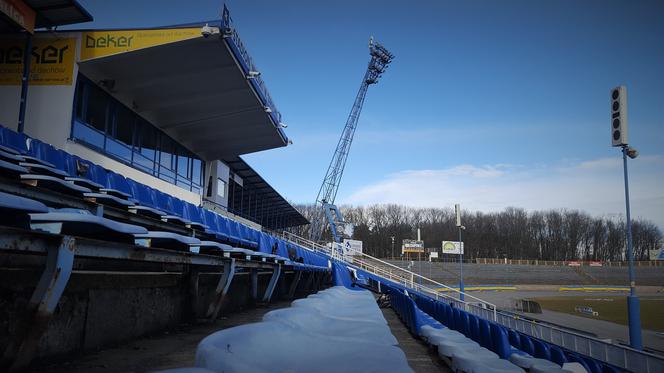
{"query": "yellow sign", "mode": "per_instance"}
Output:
(103, 43)
(52, 61)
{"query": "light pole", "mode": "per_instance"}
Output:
(633, 306)
(392, 247)
(461, 289)
(457, 210)
(619, 139)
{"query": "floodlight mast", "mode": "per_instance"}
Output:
(325, 208)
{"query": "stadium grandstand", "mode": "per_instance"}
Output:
(127, 209)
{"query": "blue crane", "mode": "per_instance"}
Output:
(325, 208)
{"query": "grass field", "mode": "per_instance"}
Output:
(610, 308)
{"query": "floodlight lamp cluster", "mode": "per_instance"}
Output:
(380, 59)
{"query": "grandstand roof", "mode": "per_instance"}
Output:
(197, 90)
(47, 13)
(278, 205)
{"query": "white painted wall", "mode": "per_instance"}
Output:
(10, 97)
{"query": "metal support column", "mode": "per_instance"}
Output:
(293, 286)
(25, 80)
(222, 289)
(45, 298)
(272, 284)
(254, 284)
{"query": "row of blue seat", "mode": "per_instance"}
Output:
(504, 341)
(113, 188)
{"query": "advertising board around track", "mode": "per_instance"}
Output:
(452, 247)
(412, 246)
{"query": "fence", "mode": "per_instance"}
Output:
(642, 263)
(618, 355)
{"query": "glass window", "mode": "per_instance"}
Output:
(97, 108)
(183, 164)
(112, 128)
(123, 125)
(80, 87)
(221, 188)
(167, 153)
(197, 174)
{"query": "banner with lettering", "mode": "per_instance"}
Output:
(96, 44)
(51, 62)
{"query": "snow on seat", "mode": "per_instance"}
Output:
(472, 361)
(321, 341)
(42, 169)
(14, 210)
(228, 251)
(54, 183)
(146, 210)
(11, 157)
(167, 240)
(528, 362)
(83, 223)
(107, 199)
(10, 202)
(11, 169)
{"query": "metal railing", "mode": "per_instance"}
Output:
(619, 355)
(400, 276)
(247, 63)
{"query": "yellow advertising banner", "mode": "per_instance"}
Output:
(52, 61)
(103, 43)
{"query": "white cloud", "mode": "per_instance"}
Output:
(595, 186)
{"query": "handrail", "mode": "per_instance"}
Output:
(618, 355)
(353, 259)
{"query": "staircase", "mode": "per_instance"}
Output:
(400, 276)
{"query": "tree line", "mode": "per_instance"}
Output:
(513, 233)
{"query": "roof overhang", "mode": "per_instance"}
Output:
(288, 216)
(196, 90)
(18, 15)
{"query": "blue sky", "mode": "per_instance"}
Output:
(487, 103)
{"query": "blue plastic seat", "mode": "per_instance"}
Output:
(557, 355)
(527, 345)
(11, 170)
(541, 350)
(83, 223)
(78, 169)
(195, 215)
(234, 231)
(165, 203)
(54, 183)
(168, 240)
(143, 196)
(485, 334)
(116, 185)
(514, 338)
(210, 220)
(15, 141)
(474, 328)
(227, 251)
(106, 195)
(14, 210)
(572, 357)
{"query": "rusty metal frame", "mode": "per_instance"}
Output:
(45, 298)
(222, 289)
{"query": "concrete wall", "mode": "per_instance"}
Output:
(100, 309)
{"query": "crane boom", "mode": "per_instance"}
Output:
(380, 59)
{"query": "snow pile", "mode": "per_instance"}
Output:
(336, 330)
